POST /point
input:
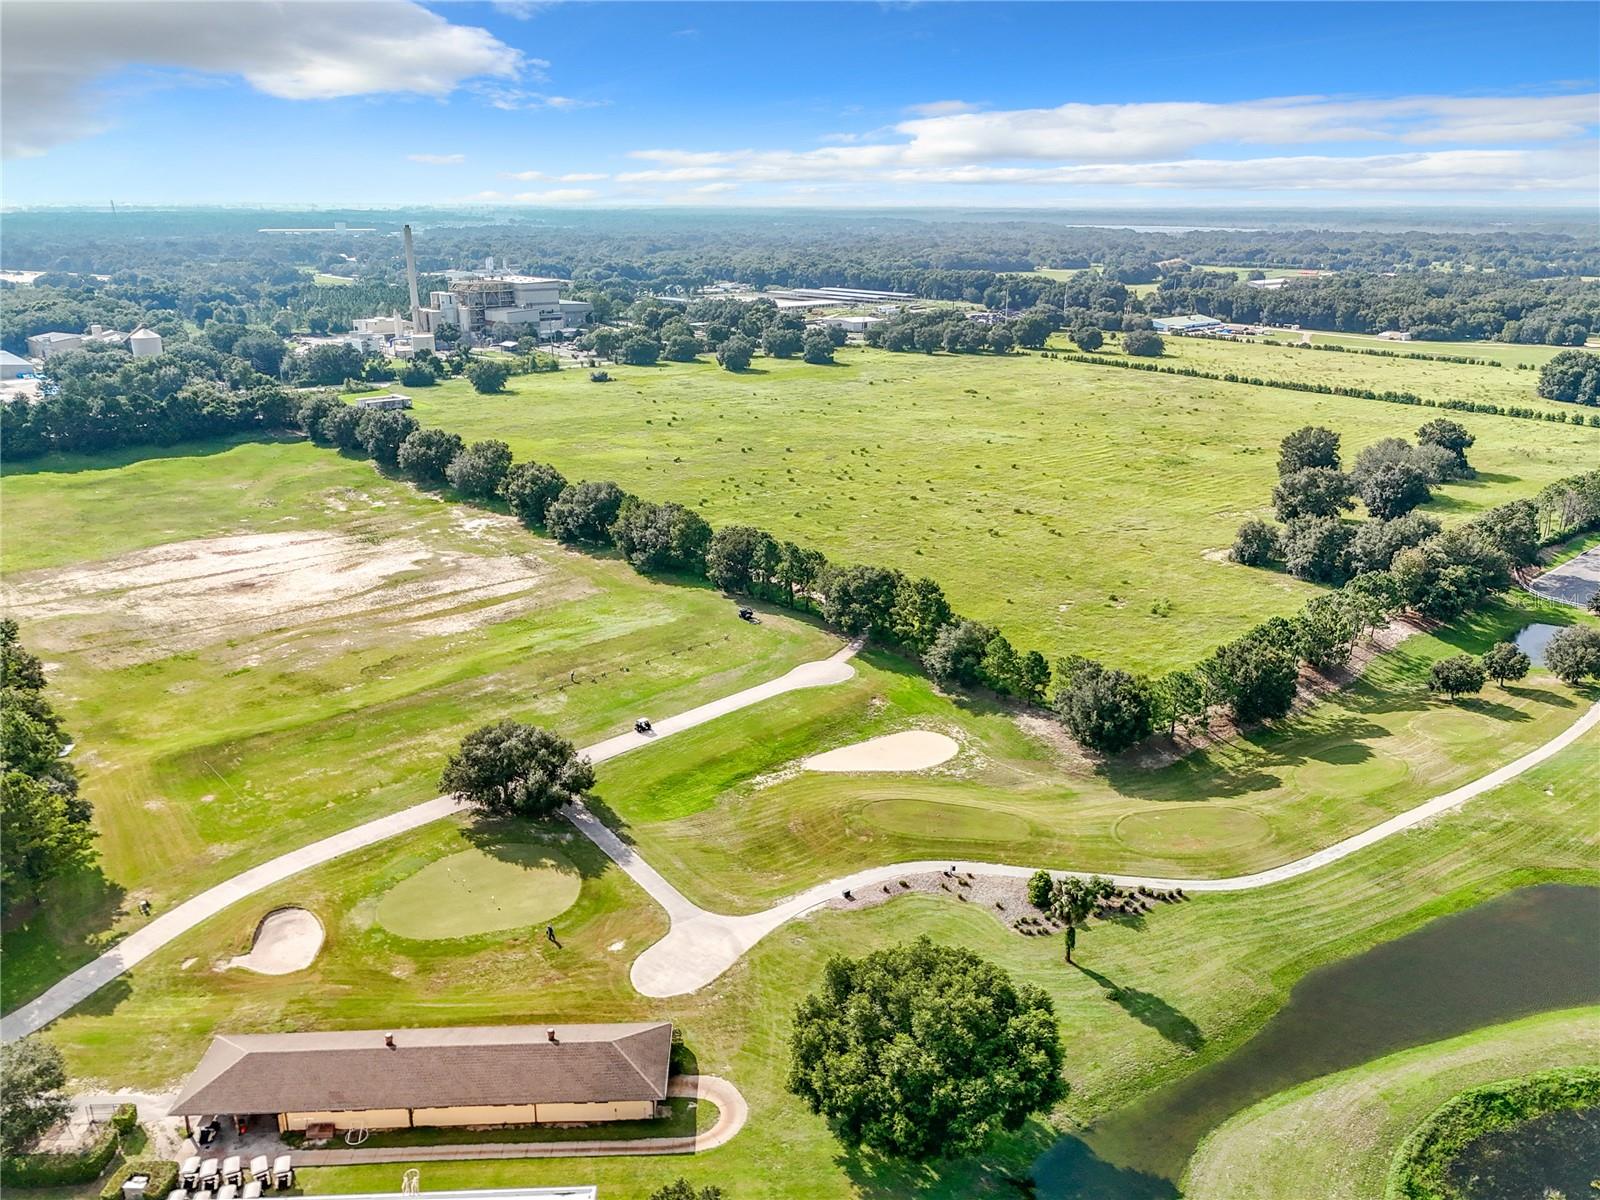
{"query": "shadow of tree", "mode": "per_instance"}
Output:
(1072, 1170)
(1150, 1009)
(1003, 1168)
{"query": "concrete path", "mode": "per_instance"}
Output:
(701, 945)
(142, 943)
(1573, 582)
(732, 1112)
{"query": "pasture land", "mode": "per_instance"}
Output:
(1161, 996)
(1080, 509)
(1504, 384)
(1344, 1129)
(728, 814)
(256, 645)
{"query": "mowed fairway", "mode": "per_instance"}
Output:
(256, 645)
(727, 813)
(1081, 509)
(1221, 962)
(1343, 1130)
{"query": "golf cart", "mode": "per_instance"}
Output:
(748, 614)
(642, 725)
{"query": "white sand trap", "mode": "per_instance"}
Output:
(913, 750)
(287, 940)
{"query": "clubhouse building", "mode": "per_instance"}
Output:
(466, 1076)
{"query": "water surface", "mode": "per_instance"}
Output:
(1532, 950)
(1534, 638)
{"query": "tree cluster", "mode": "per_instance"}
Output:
(924, 1051)
(45, 829)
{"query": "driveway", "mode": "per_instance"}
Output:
(1573, 582)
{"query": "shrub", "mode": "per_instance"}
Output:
(163, 1174)
(480, 469)
(125, 1118)
(1256, 543)
(1040, 886)
(60, 1170)
(488, 375)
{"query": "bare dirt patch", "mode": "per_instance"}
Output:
(909, 750)
(168, 599)
(287, 940)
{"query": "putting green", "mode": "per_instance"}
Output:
(1192, 829)
(1456, 727)
(1351, 771)
(481, 891)
(936, 819)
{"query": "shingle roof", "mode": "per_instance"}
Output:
(429, 1068)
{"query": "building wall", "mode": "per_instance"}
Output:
(617, 1110)
(371, 1118)
(487, 1114)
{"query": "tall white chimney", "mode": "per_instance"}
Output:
(411, 278)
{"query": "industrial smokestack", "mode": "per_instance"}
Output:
(411, 278)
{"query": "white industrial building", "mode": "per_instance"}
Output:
(144, 342)
(523, 303)
(43, 345)
(13, 366)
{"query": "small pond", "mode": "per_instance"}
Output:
(1558, 1152)
(1532, 950)
(1534, 638)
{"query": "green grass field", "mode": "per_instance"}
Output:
(257, 645)
(1344, 1129)
(1504, 384)
(1222, 962)
(1081, 509)
(481, 890)
(726, 814)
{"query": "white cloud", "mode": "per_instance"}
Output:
(584, 176)
(559, 196)
(55, 50)
(1432, 144)
(940, 108)
(714, 189)
(515, 99)
(438, 160)
(569, 177)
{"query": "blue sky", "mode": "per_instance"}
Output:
(570, 104)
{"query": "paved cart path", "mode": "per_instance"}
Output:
(169, 926)
(700, 945)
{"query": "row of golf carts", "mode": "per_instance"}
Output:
(228, 1179)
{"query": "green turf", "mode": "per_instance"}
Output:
(1081, 509)
(481, 890)
(1343, 1130)
(213, 737)
(721, 811)
(1222, 962)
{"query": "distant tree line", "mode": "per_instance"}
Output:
(1328, 389)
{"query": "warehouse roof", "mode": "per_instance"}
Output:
(429, 1068)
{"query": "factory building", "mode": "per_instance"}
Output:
(476, 304)
(144, 342)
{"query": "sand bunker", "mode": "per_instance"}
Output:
(159, 601)
(287, 940)
(913, 750)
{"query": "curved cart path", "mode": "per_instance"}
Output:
(142, 943)
(701, 945)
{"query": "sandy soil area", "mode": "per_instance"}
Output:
(911, 750)
(151, 603)
(286, 941)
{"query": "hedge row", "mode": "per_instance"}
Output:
(163, 1174)
(61, 1170)
(1326, 389)
(1420, 1169)
(1334, 348)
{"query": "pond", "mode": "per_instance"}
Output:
(1532, 950)
(1534, 638)
(1558, 1152)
